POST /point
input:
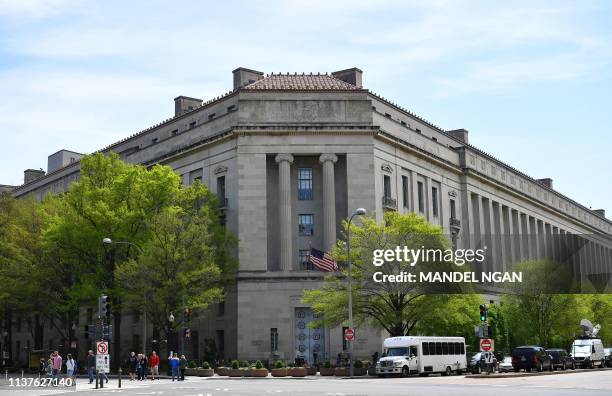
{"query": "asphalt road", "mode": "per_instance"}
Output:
(578, 383)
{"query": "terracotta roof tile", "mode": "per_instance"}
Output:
(302, 82)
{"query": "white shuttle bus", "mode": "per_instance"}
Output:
(422, 355)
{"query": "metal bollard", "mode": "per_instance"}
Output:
(119, 375)
(97, 377)
(101, 381)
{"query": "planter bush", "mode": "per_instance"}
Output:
(359, 371)
(223, 371)
(358, 368)
(205, 372)
(341, 371)
(236, 372)
(297, 372)
(258, 370)
(326, 369)
(191, 371)
(311, 371)
(279, 370)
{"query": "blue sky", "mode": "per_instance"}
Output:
(531, 81)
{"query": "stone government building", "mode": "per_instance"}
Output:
(292, 155)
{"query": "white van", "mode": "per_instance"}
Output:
(422, 355)
(588, 352)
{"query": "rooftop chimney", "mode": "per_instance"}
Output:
(351, 76)
(185, 104)
(30, 175)
(600, 212)
(459, 134)
(546, 182)
(243, 76)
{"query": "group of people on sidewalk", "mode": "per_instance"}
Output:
(52, 367)
(139, 365)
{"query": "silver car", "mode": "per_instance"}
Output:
(505, 366)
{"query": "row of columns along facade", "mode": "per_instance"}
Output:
(512, 236)
(509, 234)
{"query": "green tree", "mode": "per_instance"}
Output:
(187, 257)
(399, 308)
(111, 199)
(536, 310)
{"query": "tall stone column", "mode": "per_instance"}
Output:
(329, 201)
(284, 210)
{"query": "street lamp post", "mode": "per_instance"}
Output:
(358, 212)
(108, 241)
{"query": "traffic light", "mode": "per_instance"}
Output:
(186, 314)
(187, 333)
(104, 306)
(483, 313)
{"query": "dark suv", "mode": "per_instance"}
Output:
(561, 359)
(531, 357)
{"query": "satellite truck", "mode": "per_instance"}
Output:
(588, 350)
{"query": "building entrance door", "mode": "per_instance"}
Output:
(309, 343)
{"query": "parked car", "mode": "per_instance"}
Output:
(505, 365)
(530, 357)
(608, 354)
(561, 359)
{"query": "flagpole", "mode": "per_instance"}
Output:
(358, 212)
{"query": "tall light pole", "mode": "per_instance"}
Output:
(108, 241)
(358, 212)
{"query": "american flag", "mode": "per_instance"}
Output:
(322, 261)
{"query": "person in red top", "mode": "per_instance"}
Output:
(154, 364)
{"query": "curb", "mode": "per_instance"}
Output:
(536, 374)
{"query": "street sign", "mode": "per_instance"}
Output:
(103, 364)
(487, 345)
(102, 348)
(349, 334)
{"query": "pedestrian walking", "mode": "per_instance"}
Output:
(91, 365)
(154, 365)
(183, 366)
(42, 368)
(174, 366)
(49, 366)
(142, 365)
(132, 364)
(71, 366)
(57, 364)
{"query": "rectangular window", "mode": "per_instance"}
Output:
(154, 141)
(221, 191)
(211, 116)
(420, 197)
(192, 124)
(305, 264)
(221, 342)
(432, 348)
(387, 186)
(221, 308)
(462, 348)
(306, 224)
(434, 201)
(405, 190)
(425, 347)
(174, 132)
(345, 343)
(304, 184)
(438, 348)
(453, 213)
(231, 108)
(273, 339)
(445, 348)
